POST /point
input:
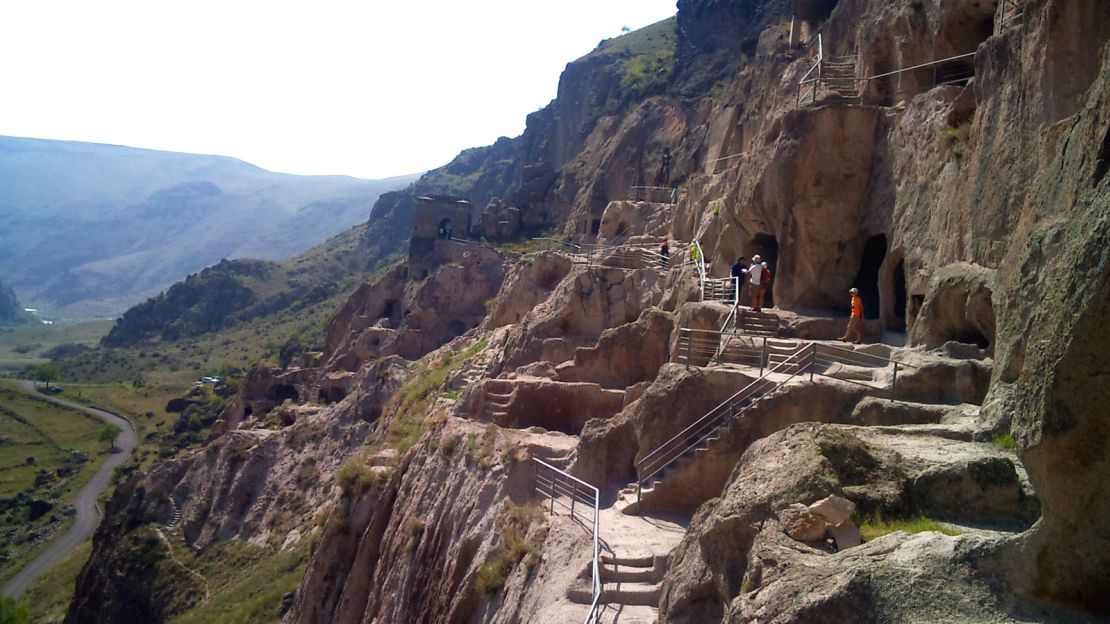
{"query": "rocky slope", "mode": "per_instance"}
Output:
(975, 218)
(11, 313)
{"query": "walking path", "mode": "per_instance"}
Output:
(88, 515)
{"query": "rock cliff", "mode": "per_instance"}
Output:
(969, 205)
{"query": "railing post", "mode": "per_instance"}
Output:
(763, 359)
(894, 382)
(573, 496)
(535, 474)
(812, 359)
(553, 475)
(689, 344)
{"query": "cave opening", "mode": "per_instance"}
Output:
(867, 279)
(595, 226)
(392, 309)
(286, 391)
(444, 230)
(916, 303)
(766, 246)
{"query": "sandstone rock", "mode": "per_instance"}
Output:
(846, 535)
(835, 510)
(803, 524)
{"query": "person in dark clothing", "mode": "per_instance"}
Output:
(665, 252)
(664, 176)
(738, 271)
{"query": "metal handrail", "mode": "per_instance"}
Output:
(658, 460)
(669, 190)
(921, 66)
(698, 256)
(801, 361)
(561, 488)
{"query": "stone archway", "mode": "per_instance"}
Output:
(867, 279)
(766, 246)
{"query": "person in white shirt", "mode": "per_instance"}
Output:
(755, 274)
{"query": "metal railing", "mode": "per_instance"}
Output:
(1009, 13)
(700, 347)
(805, 359)
(809, 85)
(560, 486)
(643, 255)
(697, 256)
(725, 289)
(653, 194)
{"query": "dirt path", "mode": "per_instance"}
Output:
(88, 515)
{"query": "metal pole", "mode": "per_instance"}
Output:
(812, 360)
(553, 476)
(763, 357)
(573, 496)
(535, 474)
(894, 382)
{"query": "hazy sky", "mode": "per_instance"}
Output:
(372, 88)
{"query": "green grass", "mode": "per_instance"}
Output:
(1005, 442)
(66, 452)
(27, 344)
(413, 399)
(246, 582)
(518, 543)
(51, 594)
(879, 526)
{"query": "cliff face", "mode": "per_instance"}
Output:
(11, 313)
(975, 218)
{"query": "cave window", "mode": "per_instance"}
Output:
(444, 229)
(247, 411)
(391, 310)
(867, 279)
(456, 328)
(284, 392)
(595, 226)
(766, 247)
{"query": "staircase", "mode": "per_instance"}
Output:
(175, 515)
(630, 588)
(840, 81)
(786, 360)
(758, 323)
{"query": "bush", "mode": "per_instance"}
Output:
(355, 474)
(1005, 442)
(515, 524)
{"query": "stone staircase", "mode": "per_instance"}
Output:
(625, 581)
(839, 80)
(758, 323)
(175, 515)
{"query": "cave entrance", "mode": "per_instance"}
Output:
(285, 391)
(867, 279)
(766, 247)
(444, 230)
(392, 310)
(916, 303)
(595, 226)
(899, 323)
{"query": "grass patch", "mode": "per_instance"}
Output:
(247, 583)
(51, 594)
(519, 542)
(956, 137)
(1005, 442)
(878, 526)
(415, 397)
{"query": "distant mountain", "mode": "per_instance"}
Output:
(87, 230)
(11, 313)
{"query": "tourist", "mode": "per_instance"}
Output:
(665, 252)
(755, 279)
(695, 253)
(738, 271)
(856, 321)
(765, 279)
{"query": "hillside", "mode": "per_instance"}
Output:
(11, 313)
(597, 432)
(87, 230)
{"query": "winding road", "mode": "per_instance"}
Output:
(88, 515)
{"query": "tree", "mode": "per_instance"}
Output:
(108, 434)
(44, 373)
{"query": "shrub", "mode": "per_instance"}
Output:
(354, 474)
(1005, 442)
(515, 524)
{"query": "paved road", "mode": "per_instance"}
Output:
(88, 516)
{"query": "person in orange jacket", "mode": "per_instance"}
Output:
(856, 322)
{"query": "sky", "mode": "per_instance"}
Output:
(369, 88)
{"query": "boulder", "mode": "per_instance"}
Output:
(835, 510)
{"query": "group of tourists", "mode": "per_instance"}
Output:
(759, 277)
